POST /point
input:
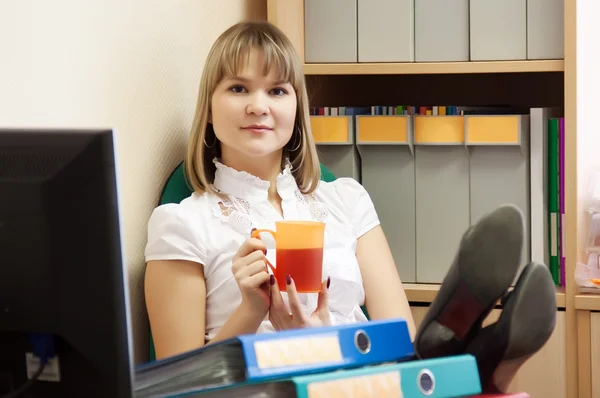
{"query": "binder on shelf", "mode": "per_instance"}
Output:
(343, 161)
(271, 356)
(334, 136)
(545, 29)
(434, 22)
(377, 129)
(385, 30)
(439, 130)
(495, 129)
(388, 171)
(498, 30)
(554, 198)
(332, 130)
(499, 166)
(538, 166)
(441, 193)
(454, 376)
(330, 31)
(561, 198)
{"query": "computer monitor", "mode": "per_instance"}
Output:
(61, 267)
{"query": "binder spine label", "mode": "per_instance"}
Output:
(553, 234)
(382, 385)
(298, 351)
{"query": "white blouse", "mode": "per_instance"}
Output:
(207, 230)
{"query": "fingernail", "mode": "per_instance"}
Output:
(272, 279)
(328, 281)
(252, 230)
(288, 279)
(265, 251)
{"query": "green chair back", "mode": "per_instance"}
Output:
(177, 188)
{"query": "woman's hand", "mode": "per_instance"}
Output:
(250, 271)
(282, 319)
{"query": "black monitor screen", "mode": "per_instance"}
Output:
(63, 286)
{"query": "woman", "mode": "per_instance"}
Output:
(252, 161)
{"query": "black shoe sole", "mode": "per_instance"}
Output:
(485, 265)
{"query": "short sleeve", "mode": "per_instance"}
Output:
(358, 205)
(171, 236)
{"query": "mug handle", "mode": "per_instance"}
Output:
(256, 234)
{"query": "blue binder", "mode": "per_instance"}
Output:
(349, 345)
(263, 357)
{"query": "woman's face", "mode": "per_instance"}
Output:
(253, 115)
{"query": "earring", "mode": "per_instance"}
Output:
(207, 132)
(213, 144)
(298, 136)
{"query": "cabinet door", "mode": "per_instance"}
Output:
(545, 373)
(595, 352)
(330, 31)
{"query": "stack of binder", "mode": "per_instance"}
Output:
(373, 359)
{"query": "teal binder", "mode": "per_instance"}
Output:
(435, 378)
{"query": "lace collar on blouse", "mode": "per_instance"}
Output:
(242, 189)
(232, 182)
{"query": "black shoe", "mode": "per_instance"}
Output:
(526, 323)
(486, 264)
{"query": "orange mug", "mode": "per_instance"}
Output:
(299, 247)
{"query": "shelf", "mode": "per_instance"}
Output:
(420, 292)
(412, 68)
(587, 301)
(425, 293)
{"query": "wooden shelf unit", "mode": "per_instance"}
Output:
(587, 302)
(418, 68)
(425, 293)
(518, 83)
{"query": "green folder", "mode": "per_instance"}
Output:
(553, 199)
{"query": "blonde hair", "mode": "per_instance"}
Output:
(225, 59)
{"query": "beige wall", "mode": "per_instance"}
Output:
(131, 65)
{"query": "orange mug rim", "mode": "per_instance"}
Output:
(300, 222)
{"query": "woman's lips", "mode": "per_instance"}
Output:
(257, 128)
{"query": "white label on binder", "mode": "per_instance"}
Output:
(553, 234)
(298, 351)
(381, 385)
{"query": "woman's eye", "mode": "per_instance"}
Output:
(278, 91)
(237, 89)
